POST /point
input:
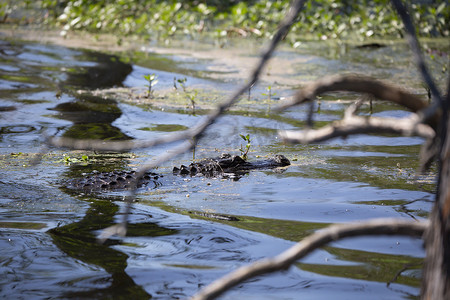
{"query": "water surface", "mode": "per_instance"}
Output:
(48, 233)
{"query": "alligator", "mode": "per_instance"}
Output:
(226, 166)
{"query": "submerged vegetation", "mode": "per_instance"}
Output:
(321, 19)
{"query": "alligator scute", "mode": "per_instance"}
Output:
(111, 181)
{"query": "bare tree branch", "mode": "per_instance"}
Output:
(355, 83)
(333, 233)
(436, 277)
(418, 57)
(359, 125)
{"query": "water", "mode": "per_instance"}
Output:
(47, 234)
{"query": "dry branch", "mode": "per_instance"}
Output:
(436, 277)
(359, 84)
(359, 125)
(417, 52)
(333, 233)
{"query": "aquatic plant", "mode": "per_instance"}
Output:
(269, 93)
(191, 97)
(152, 81)
(245, 149)
(182, 82)
(321, 19)
(68, 160)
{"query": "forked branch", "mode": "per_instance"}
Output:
(358, 84)
(359, 125)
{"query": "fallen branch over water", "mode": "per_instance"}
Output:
(333, 233)
(358, 84)
(363, 84)
(359, 125)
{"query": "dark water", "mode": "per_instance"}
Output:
(47, 233)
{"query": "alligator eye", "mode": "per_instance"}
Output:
(225, 155)
(282, 160)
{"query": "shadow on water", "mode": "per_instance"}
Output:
(107, 71)
(92, 116)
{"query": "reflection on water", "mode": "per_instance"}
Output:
(79, 242)
(174, 246)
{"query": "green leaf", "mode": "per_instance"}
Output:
(440, 8)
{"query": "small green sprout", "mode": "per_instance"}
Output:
(152, 81)
(244, 150)
(191, 97)
(269, 93)
(182, 83)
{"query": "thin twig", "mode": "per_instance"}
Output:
(284, 260)
(418, 57)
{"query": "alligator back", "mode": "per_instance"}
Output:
(112, 181)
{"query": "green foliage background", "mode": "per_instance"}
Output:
(321, 19)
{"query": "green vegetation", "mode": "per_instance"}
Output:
(71, 160)
(244, 150)
(23, 225)
(152, 81)
(321, 19)
(269, 93)
(181, 81)
(190, 95)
